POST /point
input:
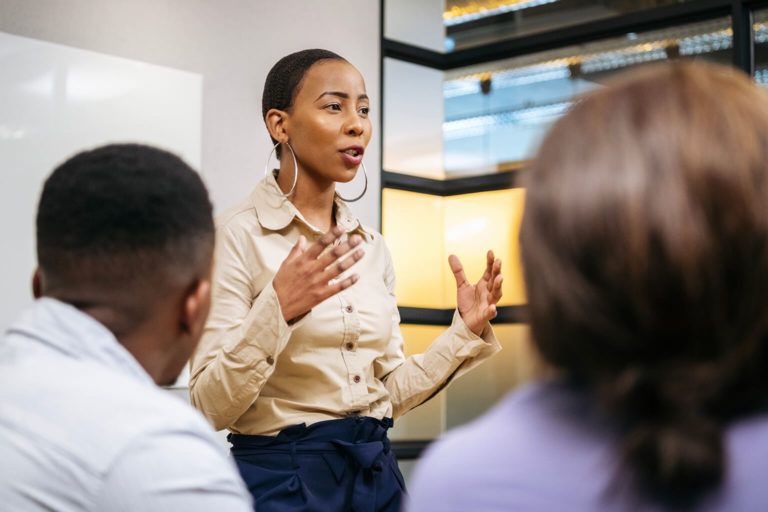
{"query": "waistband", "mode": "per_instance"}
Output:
(354, 429)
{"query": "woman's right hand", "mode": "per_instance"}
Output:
(306, 277)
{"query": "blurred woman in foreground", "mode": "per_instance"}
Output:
(645, 247)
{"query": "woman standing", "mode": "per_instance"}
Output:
(302, 359)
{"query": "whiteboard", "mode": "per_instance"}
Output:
(56, 100)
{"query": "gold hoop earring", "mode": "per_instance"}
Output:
(267, 170)
(365, 188)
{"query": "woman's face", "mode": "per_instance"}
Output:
(328, 125)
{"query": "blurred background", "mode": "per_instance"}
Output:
(469, 88)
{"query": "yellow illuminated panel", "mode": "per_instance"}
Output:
(477, 222)
(418, 337)
(413, 227)
(422, 230)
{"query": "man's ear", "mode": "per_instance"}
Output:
(37, 283)
(195, 308)
(277, 124)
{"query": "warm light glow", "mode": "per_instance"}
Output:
(477, 222)
(422, 230)
(413, 227)
(476, 9)
(419, 337)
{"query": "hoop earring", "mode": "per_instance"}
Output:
(295, 169)
(365, 188)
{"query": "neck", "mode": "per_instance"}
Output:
(313, 195)
(150, 355)
(138, 335)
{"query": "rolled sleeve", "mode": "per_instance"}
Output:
(242, 339)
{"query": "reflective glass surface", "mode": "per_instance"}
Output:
(449, 25)
(760, 28)
(496, 114)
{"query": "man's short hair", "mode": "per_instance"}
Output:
(124, 217)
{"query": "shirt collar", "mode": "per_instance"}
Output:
(67, 330)
(274, 211)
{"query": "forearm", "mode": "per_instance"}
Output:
(232, 366)
(419, 377)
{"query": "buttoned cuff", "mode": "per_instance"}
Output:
(465, 344)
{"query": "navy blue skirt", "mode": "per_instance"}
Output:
(335, 465)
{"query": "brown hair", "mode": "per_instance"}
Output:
(645, 248)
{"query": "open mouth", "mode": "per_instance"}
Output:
(354, 151)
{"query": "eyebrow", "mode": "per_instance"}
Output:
(342, 95)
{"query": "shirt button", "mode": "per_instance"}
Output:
(350, 346)
(356, 379)
(349, 309)
(270, 360)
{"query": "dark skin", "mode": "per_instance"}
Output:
(328, 120)
(164, 338)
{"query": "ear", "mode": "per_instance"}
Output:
(195, 308)
(37, 283)
(277, 124)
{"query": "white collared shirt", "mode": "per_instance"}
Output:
(255, 374)
(84, 428)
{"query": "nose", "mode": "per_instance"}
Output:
(354, 125)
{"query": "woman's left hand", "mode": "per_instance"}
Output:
(477, 303)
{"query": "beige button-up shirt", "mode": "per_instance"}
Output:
(253, 373)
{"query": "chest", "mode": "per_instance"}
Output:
(360, 315)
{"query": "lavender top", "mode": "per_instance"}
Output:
(547, 448)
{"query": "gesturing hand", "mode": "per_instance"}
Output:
(304, 278)
(477, 303)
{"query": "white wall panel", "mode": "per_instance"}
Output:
(56, 100)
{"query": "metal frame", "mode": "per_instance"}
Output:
(452, 187)
(432, 316)
(409, 450)
(640, 21)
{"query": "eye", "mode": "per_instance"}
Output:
(334, 106)
(364, 110)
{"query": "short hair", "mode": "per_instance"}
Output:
(121, 218)
(284, 80)
(645, 250)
